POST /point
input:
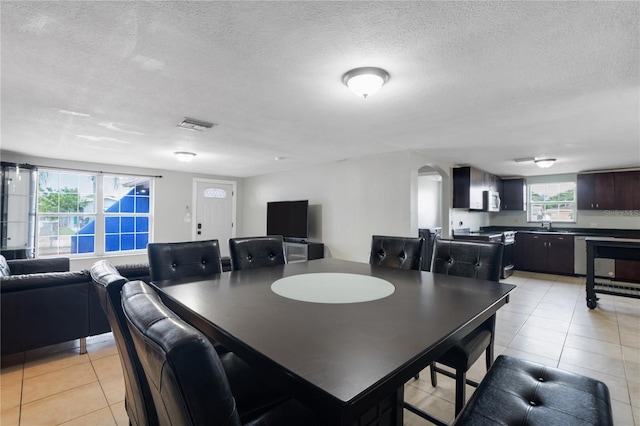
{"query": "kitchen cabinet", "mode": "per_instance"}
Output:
(468, 185)
(596, 191)
(627, 190)
(512, 194)
(628, 270)
(541, 252)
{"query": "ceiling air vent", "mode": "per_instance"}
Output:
(193, 124)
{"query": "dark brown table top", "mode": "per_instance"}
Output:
(341, 356)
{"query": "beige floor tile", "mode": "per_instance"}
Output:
(52, 383)
(47, 351)
(622, 414)
(107, 367)
(632, 340)
(545, 334)
(551, 324)
(630, 354)
(120, 414)
(633, 371)
(602, 363)
(618, 387)
(10, 417)
(595, 332)
(433, 405)
(10, 395)
(55, 362)
(64, 406)
(102, 349)
(634, 393)
(537, 347)
(592, 345)
(531, 357)
(636, 415)
(113, 388)
(102, 417)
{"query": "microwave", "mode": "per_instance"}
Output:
(490, 201)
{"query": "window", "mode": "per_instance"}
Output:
(555, 202)
(84, 213)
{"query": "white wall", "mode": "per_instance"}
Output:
(355, 199)
(429, 201)
(172, 194)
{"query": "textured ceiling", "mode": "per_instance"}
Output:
(479, 83)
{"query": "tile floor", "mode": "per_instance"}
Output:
(546, 321)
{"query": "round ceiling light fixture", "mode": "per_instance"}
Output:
(365, 81)
(544, 163)
(184, 156)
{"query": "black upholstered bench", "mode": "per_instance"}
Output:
(519, 392)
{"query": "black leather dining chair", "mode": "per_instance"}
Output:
(256, 252)
(169, 261)
(478, 260)
(138, 401)
(187, 378)
(396, 252)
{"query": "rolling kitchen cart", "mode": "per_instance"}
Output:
(610, 248)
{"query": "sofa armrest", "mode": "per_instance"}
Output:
(15, 283)
(40, 265)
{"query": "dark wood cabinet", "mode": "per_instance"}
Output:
(628, 270)
(467, 188)
(596, 191)
(548, 253)
(627, 190)
(468, 185)
(512, 194)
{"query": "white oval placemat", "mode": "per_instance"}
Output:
(330, 287)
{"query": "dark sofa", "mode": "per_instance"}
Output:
(43, 303)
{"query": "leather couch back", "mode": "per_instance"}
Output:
(396, 252)
(469, 259)
(169, 261)
(187, 378)
(39, 265)
(256, 252)
(108, 284)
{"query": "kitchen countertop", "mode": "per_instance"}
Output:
(587, 232)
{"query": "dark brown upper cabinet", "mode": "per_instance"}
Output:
(512, 194)
(596, 191)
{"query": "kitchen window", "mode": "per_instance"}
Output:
(90, 213)
(552, 202)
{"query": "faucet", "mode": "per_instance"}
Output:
(546, 225)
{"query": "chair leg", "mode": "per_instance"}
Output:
(489, 353)
(434, 379)
(461, 381)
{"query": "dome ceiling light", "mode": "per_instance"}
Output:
(544, 163)
(184, 156)
(365, 81)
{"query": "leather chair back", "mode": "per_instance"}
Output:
(169, 261)
(256, 252)
(138, 400)
(479, 260)
(396, 252)
(187, 378)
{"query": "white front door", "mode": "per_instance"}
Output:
(214, 212)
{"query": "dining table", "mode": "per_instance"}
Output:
(342, 337)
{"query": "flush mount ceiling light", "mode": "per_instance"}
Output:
(185, 156)
(544, 163)
(365, 81)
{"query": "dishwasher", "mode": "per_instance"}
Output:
(603, 268)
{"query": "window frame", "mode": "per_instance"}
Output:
(558, 181)
(99, 215)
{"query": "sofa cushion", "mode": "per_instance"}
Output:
(5, 271)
